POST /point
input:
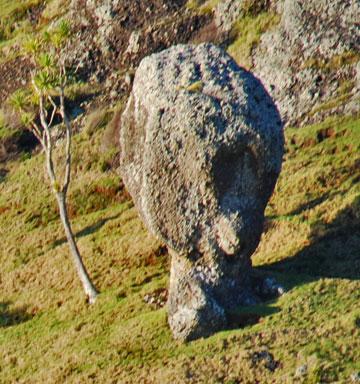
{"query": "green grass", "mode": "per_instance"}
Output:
(4, 130)
(333, 63)
(16, 9)
(310, 245)
(13, 17)
(247, 32)
(16, 25)
(311, 242)
(202, 6)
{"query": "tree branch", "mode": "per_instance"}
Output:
(48, 144)
(37, 133)
(53, 111)
(68, 141)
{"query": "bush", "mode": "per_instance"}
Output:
(96, 120)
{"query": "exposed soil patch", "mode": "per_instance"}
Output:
(325, 134)
(308, 142)
(157, 299)
(14, 74)
(34, 13)
(11, 147)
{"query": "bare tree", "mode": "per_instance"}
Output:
(49, 81)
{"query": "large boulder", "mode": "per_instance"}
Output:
(201, 149)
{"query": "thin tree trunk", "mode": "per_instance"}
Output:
(42, 132)
(88, 286)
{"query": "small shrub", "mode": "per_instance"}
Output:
(202, 6)
(357, 322)
(328, 64)
(109, 160)
(6, 29)
(110, 138)
(54, 9)
(255, 7)
(194, 4)
(11, 119)
(96, 120)
(14, 17)
(4, 130)
(79, 90)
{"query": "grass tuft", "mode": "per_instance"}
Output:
(247, 32)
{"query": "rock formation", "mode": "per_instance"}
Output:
(314, 51)
(309, 60)
(201, 149)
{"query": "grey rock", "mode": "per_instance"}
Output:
(113, 94)
(305, 46)
(355, 377)
(201, 149)
(301, 371)
(134, 43)
(128, 79)
(226, 13)
(102, 16)
(104, 13)
(271, 287)
(267, 358)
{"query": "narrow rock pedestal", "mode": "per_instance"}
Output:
(201, 149)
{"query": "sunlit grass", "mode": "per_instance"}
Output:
(310, 245)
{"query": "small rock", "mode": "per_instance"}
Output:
(134, 43)
(157, 299)
(355, 377)
(113, 94)
(267, 358)
(128, 79)
(301, 370)
(104, 13)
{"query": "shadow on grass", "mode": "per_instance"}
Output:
(245, 316)
(14, 316)
(3, 174)
(310, 204)
(90, 229)
(333, 251)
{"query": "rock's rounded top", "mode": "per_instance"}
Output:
(207, 74)
(201, 148)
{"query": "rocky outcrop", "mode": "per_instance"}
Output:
(308, 62)
(201, 149)
(113, 36)
(226, 13)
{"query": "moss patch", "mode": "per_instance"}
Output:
(202, 6)
(247, 32)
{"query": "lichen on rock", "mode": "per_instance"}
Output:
(201, 163)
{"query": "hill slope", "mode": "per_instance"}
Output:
(311, 243)
(49, 334)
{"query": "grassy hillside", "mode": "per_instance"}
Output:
(311, 245)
